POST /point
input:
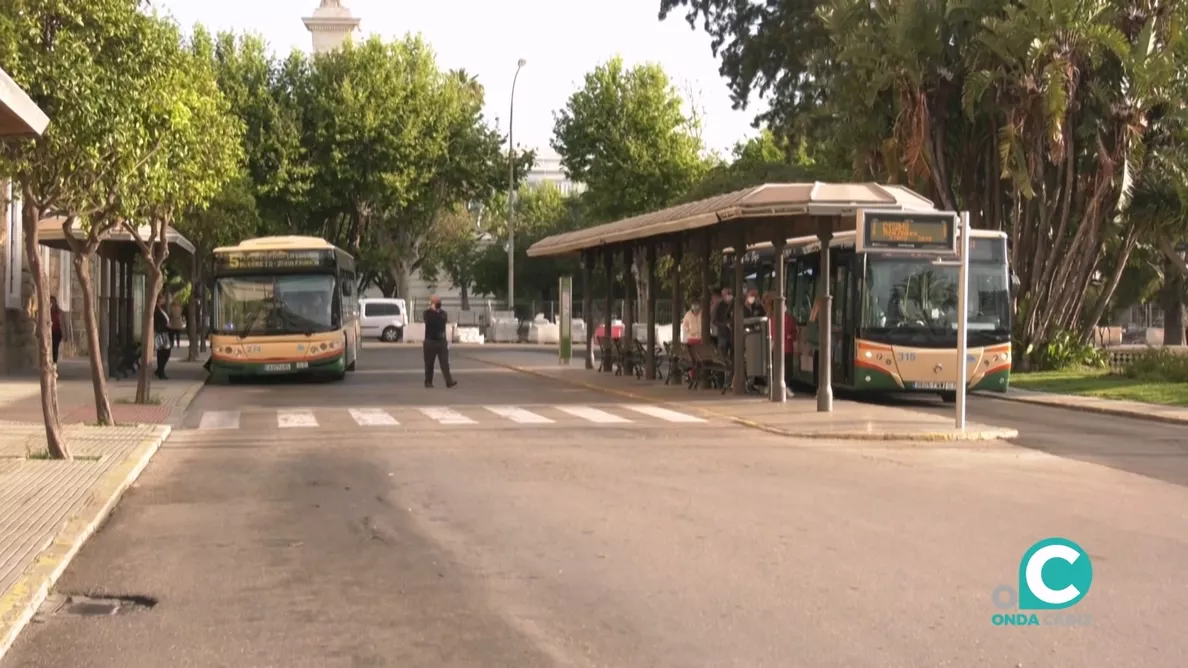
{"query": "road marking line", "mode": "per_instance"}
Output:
(446, 416)
(296, 418)
(520, 415)
(219, 420)
(663, 413)
(593, 414)
(373, 417)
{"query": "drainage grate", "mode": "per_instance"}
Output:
(89, 606)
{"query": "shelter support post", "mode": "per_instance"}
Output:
(653, 288)
(629, 299)
(130, 300)
(740, 337)
(114, 311)
(588, 305)
(707, 282)
(103, 287)
(825, 320)
(779, 392)
(608, 262)
(678, 297)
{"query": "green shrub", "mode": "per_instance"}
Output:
(1158, 365)
(1066, 350)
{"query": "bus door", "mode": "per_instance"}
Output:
(843, 321)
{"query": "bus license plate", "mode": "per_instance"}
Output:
(934, 386)
(278, 367)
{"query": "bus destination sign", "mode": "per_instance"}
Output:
(907, 232)
(274, 260)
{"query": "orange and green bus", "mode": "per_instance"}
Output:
(895, 315)
(283, 305)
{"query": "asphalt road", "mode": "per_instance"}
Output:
(1155, 449)
(503, 540)
(1145, 447)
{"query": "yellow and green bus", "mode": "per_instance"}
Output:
(283, 305)
(895, 315)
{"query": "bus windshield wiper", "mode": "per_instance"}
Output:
(247, 330)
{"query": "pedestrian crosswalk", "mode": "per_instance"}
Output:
(448, 416)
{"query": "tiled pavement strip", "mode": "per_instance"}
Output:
(798, 418)
(49, 508)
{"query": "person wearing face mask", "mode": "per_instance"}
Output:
(753, 309)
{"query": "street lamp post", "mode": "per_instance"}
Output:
(511, 193)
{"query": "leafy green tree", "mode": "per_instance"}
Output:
(458, 244)
(230, 217)
(541, 210)
(394, 145)
(626, 135)
(760, 160)
(263, 93)
(84, 65)
(1034, 117)
(199, 151)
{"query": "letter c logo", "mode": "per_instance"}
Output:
(1072, 573)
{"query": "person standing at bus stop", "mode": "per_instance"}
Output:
(56, 327)
(436, 346)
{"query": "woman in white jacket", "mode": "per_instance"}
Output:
(691, 324)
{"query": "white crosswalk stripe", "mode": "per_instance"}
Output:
(519, 415)
(663, 413)
(219, 420)
(417, 417)
(373, 417)
(295, 418)
(446, 416)
(593, 414)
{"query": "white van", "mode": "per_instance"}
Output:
(383, 318)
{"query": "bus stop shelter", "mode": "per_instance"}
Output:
(113, 283)
(703, 230)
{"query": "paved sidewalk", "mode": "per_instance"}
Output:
(48, 508)
(798, 417)
(1136, 409)
(20, 396)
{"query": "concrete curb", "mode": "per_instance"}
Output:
(1084, 408)
(183, 403)
(993, 434)
(21, 602)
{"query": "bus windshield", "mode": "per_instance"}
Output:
(287, 304)
(911, 301)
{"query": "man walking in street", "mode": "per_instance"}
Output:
(437, 345)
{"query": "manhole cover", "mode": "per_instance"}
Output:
(90, 606)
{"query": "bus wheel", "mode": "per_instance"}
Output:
(949, 397)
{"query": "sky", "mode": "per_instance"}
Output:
(562, 40)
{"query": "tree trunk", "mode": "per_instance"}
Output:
(399, 283)
(152, 288)
(465, 298)
(156, 253)
(54, 440)
(82, 266)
